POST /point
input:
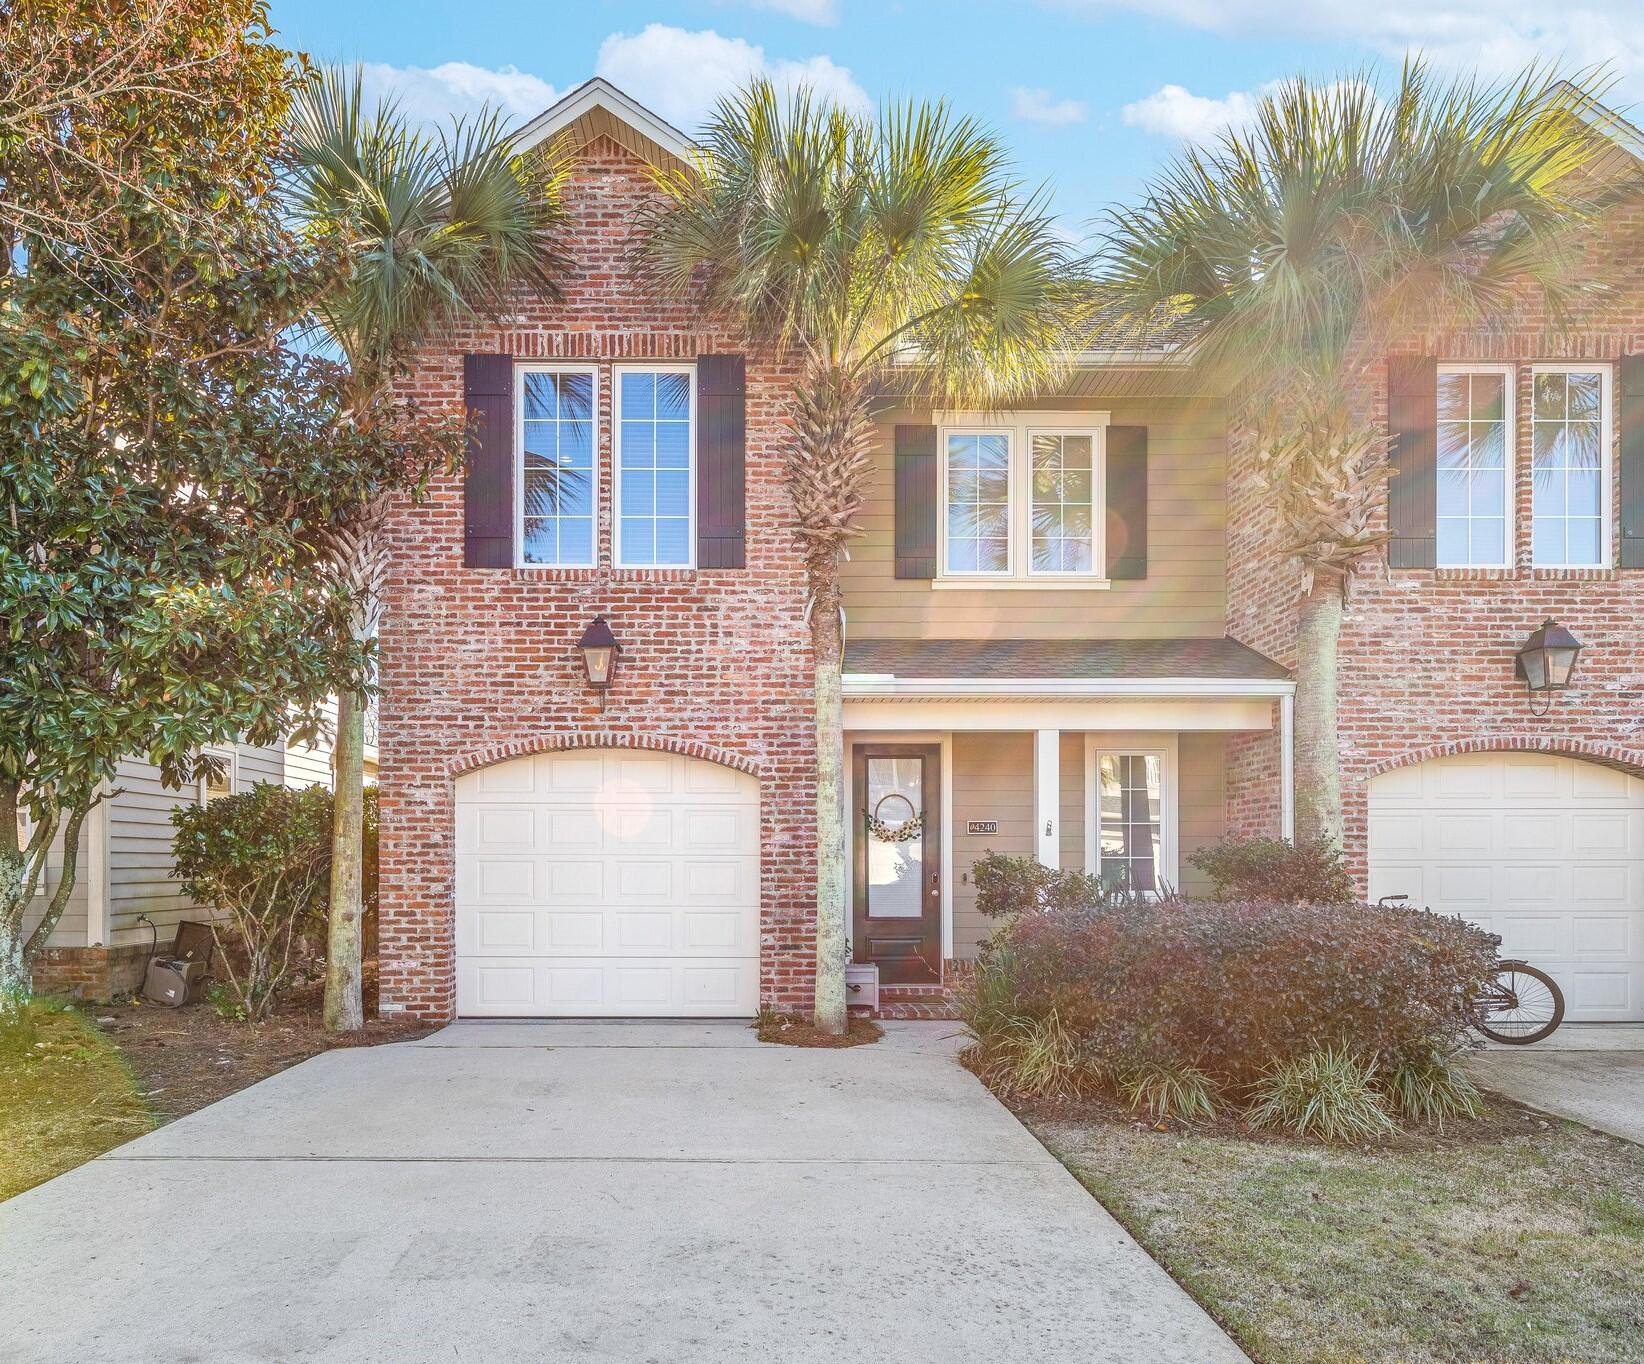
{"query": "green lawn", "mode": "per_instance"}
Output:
(66, 1095)
(1523, 1240)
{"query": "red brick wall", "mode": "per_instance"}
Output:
(1427, 655)
(480, 664)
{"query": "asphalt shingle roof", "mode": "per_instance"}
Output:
(1224, 659)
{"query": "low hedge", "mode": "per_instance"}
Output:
(1227, 989)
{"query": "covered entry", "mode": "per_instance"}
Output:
(607, 883)
(1545, 851)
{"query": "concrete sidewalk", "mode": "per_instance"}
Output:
(539, 1191)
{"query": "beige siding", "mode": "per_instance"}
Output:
(71, 928)
(1200, 780)
(1182, 595)
(992, 779)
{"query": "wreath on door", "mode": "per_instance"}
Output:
(904, 831)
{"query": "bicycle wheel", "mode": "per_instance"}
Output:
(1525, 1006)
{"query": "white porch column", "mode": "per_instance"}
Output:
(1287, 767)
(1047, 795)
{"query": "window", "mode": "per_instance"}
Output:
(214, 786)
(1569, 461)
(654, 439)
(1131, 836)
(557, 485)
(1020, 500)
(1474, 471)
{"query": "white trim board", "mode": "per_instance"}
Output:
(890, 686)
(597, 93)
(1014, 715)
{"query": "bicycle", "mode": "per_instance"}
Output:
(1523, 1004)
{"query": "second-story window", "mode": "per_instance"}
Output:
(653, 442)
(1474, 468)
(558, 487)
(1021, 499)
(1569, 459)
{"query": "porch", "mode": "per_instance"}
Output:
(1103, 755)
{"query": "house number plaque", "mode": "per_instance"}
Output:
(981, 826)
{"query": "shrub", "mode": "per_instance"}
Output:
(263, 861)
(1274, 869)
(1329, 1093)
(1008, 885)
(1228, 989)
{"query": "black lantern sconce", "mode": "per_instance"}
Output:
(1546, 662)
(599, 653)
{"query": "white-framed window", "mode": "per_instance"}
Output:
(1475, 466)
(225, 781)
(1570, 465)
(1131, 811)
(654, 448)
(557, 482)
(1021, 499)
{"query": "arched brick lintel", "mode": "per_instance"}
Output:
(492, 754)
(1629, 760)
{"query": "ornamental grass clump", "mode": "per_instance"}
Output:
(1185, 1008)
(1329, 1094)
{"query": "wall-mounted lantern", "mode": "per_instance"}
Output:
(1546, 662)
(599, 650)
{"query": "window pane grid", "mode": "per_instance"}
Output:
(1473, 469)
(1567, 461)
(654, 468)
(978, 503)
(1130, 820)
(557, 493)
(1063, 506)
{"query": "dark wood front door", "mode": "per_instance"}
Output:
(896, 921)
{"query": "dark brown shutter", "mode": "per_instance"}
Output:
(1126, 502)
(488, 489)
(916, 501)
(1412, 492)
(1632, 461)
(721, 461)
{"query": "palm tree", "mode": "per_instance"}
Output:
(1291, 252)
(429, 229)
(890, 251)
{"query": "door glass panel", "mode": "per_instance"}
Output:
(893, 826)
(1131, 812)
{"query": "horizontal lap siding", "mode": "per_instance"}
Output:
(1200, 800)
(992, 779)
(1183, 593)
(71, 928)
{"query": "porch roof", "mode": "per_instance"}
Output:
(1077, 660)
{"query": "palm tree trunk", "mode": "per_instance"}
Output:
(344, 1009)
(1318, 745)
(827, 644)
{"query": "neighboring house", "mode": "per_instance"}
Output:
(100, 946)
(1066, 636)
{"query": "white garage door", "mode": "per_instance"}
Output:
(1547, 852)
(605, 883)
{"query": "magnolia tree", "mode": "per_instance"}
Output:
(169, 469)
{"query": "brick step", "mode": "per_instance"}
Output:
(936, 1010)
(909, 994)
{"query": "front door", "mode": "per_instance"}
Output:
(897, 916)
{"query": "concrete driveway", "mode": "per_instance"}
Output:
(1590, 1072)
(633, 1192)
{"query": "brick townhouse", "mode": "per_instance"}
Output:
(1067, 636)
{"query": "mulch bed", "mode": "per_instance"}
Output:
(798, 1032)
(187, 1058)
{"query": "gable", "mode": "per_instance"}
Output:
(596, 109)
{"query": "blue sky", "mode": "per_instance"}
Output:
(1092, 95)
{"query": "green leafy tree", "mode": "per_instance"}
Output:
(1293, 251)
(431, 228)
(168, 468)
(879, 252)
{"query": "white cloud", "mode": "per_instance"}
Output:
(808, 11)
(680, 74)
(1173, 111)
(1496, 36)
(1037, 106)
(433, 94)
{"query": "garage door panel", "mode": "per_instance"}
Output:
(1545, 851)
(505, 779)
(614, 882)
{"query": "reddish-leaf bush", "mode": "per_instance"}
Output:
(1273, 869)
(1233, 987)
